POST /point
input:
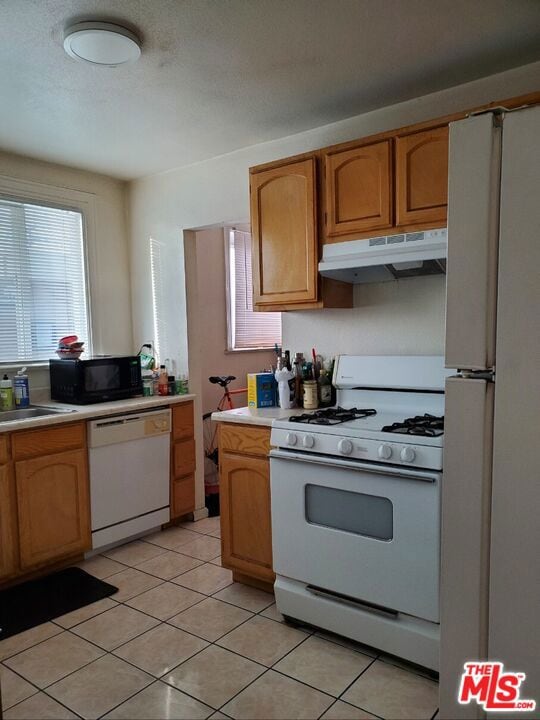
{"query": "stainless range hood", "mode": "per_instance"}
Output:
(390, 257)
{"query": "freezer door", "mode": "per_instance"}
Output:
(473, 210)
(514, 635)
(466, 499)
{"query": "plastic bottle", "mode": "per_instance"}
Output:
(6, 394)
(163, 384)
(21, 389)
(325, 389)
(298, 379)
(184, 389)
(148, 383)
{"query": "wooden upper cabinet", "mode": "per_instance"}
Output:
(358, 189)
(284, 234)
(53, 507)
(422, 177)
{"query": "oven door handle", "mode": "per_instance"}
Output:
(338, 463)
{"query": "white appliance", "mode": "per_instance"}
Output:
(490, 588)
(389, 257)
(356, 506)
(129, 459)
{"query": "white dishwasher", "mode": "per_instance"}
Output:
(129, 458)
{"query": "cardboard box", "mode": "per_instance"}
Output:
(261, 390)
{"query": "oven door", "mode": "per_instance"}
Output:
(367, 532)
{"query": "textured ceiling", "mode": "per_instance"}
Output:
(217, 75)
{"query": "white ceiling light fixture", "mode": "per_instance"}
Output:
(102, 43)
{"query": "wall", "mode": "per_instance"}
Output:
(110, 281)
(216, 191)
(212, 325)
(401, 317)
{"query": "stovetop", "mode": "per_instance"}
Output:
(370, 420)
(332, 416)
(425, 425)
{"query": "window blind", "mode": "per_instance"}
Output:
(247, 329)
(42, 280)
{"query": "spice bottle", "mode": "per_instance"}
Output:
(325, 389)
(311, 401)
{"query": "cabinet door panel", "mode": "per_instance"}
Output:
(8, 524)
(183, 457)
(285, 254)
(182, 421)
(359, 189)
(251, 440)
(245, 515)
(53, 507)
(4, 449)
(422, 177)
(182, 496)
(35, 443)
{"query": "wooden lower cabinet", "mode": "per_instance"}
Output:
(183, 461)
(246, 528)
(53, 507)
(8, 524)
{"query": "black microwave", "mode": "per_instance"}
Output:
(95, 380)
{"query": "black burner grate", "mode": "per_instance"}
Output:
(332, 416)
(426, 425)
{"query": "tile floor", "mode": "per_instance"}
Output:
(181, 640)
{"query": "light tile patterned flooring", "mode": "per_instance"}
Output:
(181, 640)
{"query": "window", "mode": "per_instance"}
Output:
(247, 330)
(42, 280)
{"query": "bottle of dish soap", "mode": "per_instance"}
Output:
(21, 388)
(6, 394)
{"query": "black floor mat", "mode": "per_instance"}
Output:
(36, 601)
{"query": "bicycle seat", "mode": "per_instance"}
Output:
(222, 380)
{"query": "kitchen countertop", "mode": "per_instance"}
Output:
(87, 412)
(254, 416)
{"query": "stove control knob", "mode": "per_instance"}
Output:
(291, 439)
(345, 447)
(407, 454)
(384, 452)
(308, 441)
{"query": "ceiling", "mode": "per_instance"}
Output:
(217, 75)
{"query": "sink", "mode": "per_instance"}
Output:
(31, 412)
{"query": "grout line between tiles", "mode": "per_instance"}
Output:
(267, 669)
(38, 689)
(308, 633)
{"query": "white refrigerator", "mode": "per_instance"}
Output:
(490, 580)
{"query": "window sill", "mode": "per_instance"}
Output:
(22, 363)
(233, 351)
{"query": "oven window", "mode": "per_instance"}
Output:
(101, 377)
(367, 515)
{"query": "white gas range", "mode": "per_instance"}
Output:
(356, 506)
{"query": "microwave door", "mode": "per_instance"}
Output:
(473, 218)
(101, 377)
